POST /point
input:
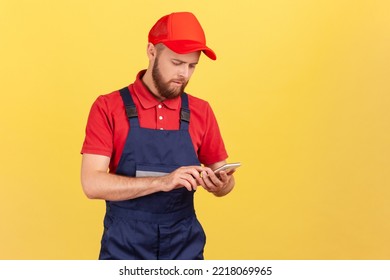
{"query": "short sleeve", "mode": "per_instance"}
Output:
(99, 130)
(212, 148)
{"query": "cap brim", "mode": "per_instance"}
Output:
(183, 47)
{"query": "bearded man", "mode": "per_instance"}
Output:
(150, 145)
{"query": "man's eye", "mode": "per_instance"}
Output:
(176, 62)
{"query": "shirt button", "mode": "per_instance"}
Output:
(161, 128)
(159, 106)
(160, 118)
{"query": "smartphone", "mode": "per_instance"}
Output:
(228, 167)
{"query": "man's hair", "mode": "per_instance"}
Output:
(160, 47)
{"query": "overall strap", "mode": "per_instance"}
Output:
(131, 110)
(184, 112)
(132, 114)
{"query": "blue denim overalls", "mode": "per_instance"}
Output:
(161, 225)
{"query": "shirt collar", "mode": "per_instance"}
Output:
(147, 99)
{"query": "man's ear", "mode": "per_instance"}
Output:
(151, 51)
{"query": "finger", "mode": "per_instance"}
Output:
(208, 184)
(231, 172)
(186, 184)
(214, 179)
(195, 169)
(189, 178)
(200, 181)
(183, 180)
(223, 176)
(204, 179)
(196, 173)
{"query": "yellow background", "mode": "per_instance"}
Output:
(300, 89)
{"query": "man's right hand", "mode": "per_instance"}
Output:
(186, 176)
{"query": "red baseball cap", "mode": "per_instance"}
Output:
(182, 33)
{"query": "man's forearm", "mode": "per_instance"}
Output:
(107, 186)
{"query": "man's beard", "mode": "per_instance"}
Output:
(164, 88)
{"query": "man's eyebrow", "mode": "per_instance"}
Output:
(182, 61)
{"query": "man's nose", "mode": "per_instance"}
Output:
(184, 71)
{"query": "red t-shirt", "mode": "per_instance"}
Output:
(108, 125)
